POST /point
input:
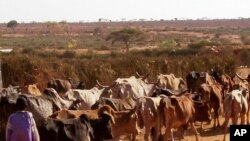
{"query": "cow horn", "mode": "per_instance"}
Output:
(146, 76)
(98, 84)
(240, 77)
(138, 74)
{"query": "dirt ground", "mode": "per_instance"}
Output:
(206, 134)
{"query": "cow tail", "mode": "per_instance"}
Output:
(161, 116)
(139, 114)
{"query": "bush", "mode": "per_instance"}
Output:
(200, 44)
(12, 24)
(68, 54)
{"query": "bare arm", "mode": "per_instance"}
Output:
(34, 128)
(35, 131)
(8, 130)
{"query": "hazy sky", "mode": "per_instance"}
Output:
(92, 10)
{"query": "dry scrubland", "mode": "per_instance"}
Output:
(43, 51)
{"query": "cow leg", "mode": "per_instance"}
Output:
(172, 135)
(235, 119)
(217, 119)
(201, 125)
(248, 117)
(243, 119)
(168, 135)
(181, 133)
(195, 131)
(248, 112)
(133, 138)
(155, 134)
(147, 133)
(218, 122)
(225, 126)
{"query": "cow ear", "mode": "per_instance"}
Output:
(108, 116)
(133, 115)
(84, 118)
(173, 100)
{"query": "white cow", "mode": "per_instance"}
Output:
(235, 106)
(131, 87)
(87, 98)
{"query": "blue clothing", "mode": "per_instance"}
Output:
(19, 127)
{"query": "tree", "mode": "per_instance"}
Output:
(12, 24)
(126, 35)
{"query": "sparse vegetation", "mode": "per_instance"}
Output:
(126, 35)
(12, 24)
(80, 51)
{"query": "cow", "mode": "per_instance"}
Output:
(77, 129)
(87, 98)
(169, 81)
(212, 95)
(177, 112)
(124, 122)
(235, 105)
(244, 84)
(195, 79)
(116, 104)
(227, 82)
(131, 87)
(202, 112)
(66, 130)
(31, 89)
(40, 106)
(62, 86)
(168, 92)
(148, 116)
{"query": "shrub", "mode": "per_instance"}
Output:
(68, 54)
(200, 44)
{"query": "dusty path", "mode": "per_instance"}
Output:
(206, 134)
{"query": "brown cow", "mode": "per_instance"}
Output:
(195, 79)
(212, 95)
(169, 81)
(116, 104)
(177, 112)
(124, 122)
(227, 82)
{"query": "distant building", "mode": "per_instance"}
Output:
(6, 50)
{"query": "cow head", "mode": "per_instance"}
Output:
(205, 91)
(202, 111)
(81, 85)
(143, 77)
(107, 91)
(101, 126)
(7, 106)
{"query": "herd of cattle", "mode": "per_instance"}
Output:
(64, 112)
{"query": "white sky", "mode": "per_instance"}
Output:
(92, 10)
